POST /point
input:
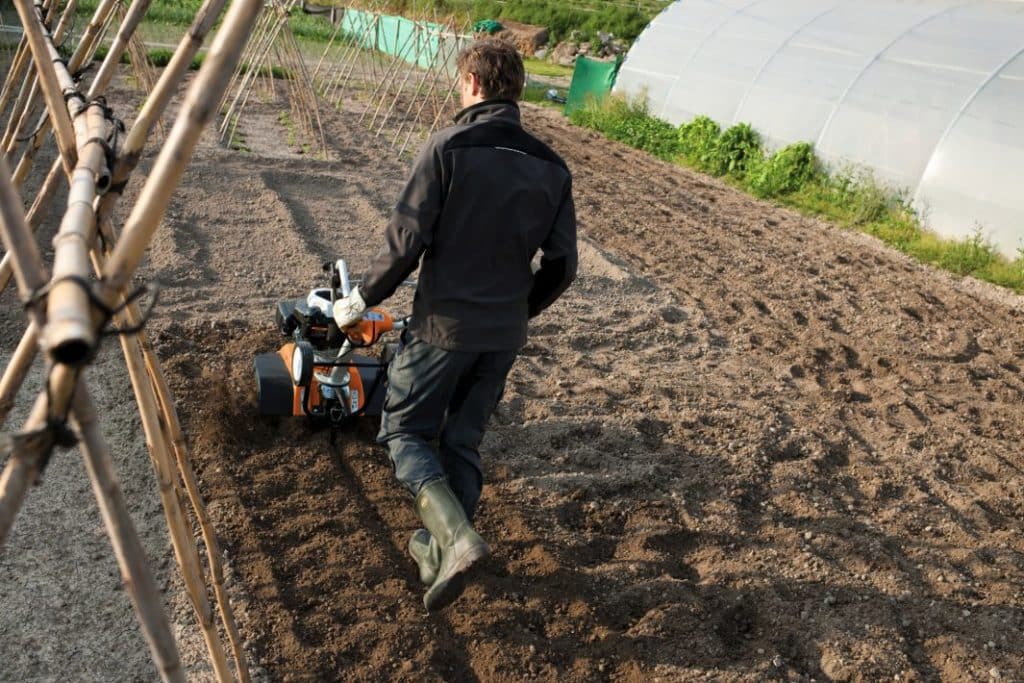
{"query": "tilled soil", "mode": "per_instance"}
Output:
(744, 446)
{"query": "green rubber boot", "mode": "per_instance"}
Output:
(427, 554)
(460, 545)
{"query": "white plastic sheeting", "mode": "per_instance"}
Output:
(927, 93)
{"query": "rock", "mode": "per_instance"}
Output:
(564, 53)
(526, 37)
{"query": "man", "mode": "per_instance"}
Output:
(483, 198)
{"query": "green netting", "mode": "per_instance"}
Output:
(590, 78)
(395, 36)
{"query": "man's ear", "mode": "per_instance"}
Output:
(477, 88)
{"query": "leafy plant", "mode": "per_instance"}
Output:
(735, 149)
(698, 141)
(785, 171)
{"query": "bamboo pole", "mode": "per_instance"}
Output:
(175, 436)
(181, 535)
(25, 106)
(349, 53)
(255, 37)
(346, 74)
(17, 369)
(169, 669)
(259, 56)
(330, 44)
(16, 74)
(429, 78)
(385, 83)
(422, 98)
(42, 201)
(35, 216)
(43, 53)
(125, 33)
(69, 336)
(198, 108)
(23, 467)
(157, 102)
(32, 103)
(401, 86)
(131, 558)
(306, 95)
(84, 53)
(92, 35)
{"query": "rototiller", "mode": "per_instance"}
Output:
(318, 373)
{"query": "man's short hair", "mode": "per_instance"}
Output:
(497, 64)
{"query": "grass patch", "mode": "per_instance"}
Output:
(156, 57)
(536, 92)
(537, 67)
(795, 177)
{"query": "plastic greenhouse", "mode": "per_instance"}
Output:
(927, 93)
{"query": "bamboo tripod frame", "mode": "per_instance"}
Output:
(411, 89)
(68, 311)
(273, 48)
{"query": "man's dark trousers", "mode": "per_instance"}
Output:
(444, 396)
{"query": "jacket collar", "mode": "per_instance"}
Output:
(489, 109)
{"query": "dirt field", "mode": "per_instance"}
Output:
(745, 446)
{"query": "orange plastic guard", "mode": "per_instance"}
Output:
(367, 331)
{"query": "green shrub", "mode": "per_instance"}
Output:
(736, 149)
(785, 171)
(697, 142)
(160, 56)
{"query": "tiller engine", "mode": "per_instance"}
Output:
(318, 373)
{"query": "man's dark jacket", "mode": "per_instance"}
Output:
(483, 198)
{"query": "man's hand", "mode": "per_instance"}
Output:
(349, 311)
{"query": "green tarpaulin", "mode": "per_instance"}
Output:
(591, 78)
(395, 36)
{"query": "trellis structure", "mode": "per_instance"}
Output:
(69, 312)
(272, 50)
(401, 71)
(398, 73)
